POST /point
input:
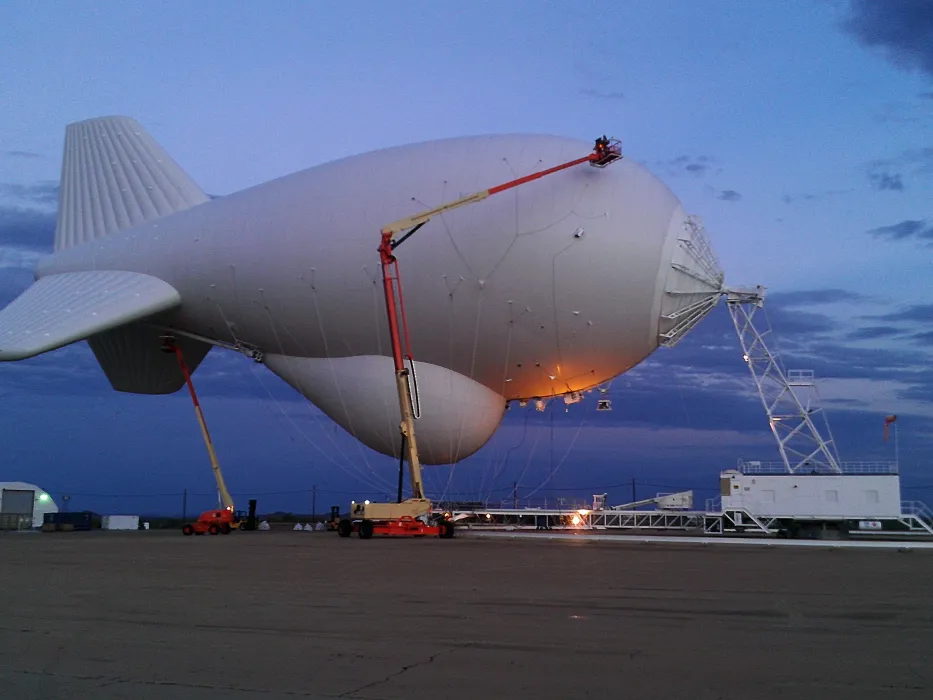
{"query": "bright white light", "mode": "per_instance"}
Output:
(43, 497)
(576, 520)
(366, 502)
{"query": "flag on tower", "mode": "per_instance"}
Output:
(887, 421)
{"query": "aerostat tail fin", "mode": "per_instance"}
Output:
(115, 176)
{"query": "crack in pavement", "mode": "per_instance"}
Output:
(103, 681)
(106, 681)
(396, 674)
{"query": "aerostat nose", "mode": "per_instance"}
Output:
(694, 283)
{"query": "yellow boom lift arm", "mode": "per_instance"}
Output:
(169, 345)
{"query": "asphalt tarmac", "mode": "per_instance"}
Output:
(264, 615)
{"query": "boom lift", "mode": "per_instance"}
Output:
(412, 516)
(224, 519)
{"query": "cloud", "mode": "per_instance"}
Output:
(925, 338)
(729, 196)
(920, 158)
(873, 332)
(709, 358)
(596, 75)
(68, 371)
(19, 258)
(886, 181)
(22, 154)
(842, 360)
(889, 173)
(603, 94)
(903, 29)
(922, 313)
(806, 297)
(812, 196)
(698, 166)
(13, 282)
(904, 112)
(39, 193)
(918, 230)
(27, 225)
(795, 322)
(26, 228)
(590, 72)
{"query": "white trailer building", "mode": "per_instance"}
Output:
(120, 522)
(812, 496)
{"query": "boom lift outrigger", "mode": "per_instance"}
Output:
(408, 517)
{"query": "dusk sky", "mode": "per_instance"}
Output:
(800, 131)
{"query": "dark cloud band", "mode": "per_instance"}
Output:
(902, 28)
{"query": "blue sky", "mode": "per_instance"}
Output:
(799, 131)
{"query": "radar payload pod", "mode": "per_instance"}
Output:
(550, 289)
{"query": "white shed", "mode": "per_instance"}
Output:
(23, 505)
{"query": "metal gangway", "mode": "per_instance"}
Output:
(915, 518)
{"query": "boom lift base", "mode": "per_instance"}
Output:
(397, 526)
(411, 508)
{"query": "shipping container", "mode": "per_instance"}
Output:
(80, 520)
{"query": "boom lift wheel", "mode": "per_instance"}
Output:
(187, 530)
(213, 529)
(344, 528)
(366, 529)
